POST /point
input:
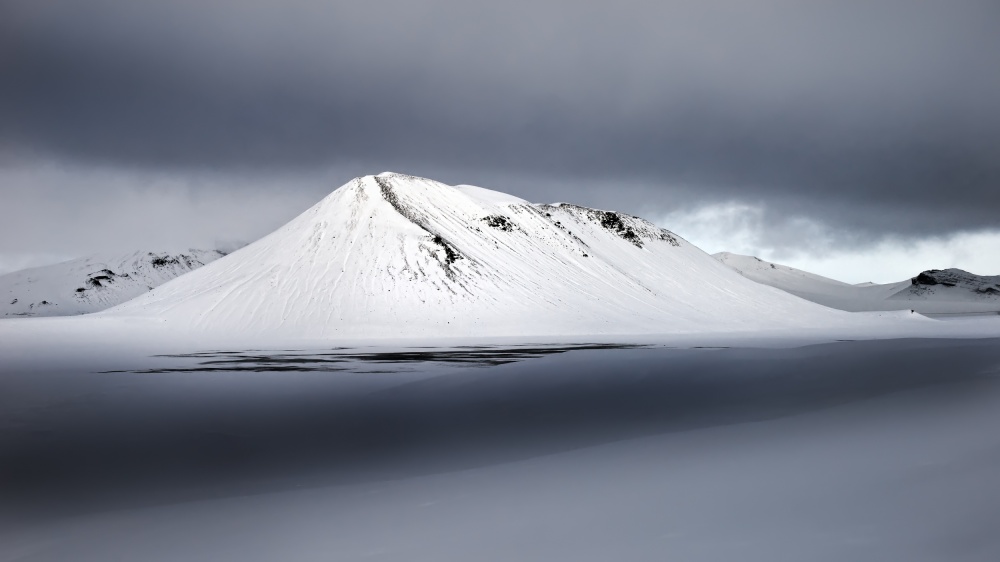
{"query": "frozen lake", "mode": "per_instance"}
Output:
(854, 450)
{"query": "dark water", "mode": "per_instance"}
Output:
(358, 361)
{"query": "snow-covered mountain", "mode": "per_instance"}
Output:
(396, 255)
(933, 291)
(93, 283)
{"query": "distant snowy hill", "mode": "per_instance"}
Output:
(395, 255)
(94, 283)
(952, 285)
(933, 291)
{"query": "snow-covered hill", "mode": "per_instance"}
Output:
(93, 283)
(933, 291)
(951, 284)
(395, 255)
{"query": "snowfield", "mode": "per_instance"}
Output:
(93, 283)
(933, 292)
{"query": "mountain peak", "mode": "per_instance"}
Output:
(398, 255)
(399, 176)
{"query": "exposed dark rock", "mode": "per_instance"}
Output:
(613, 222)
(499, 222)
(669, 237)
(96, 280)
(931, 277)
(163, 261)
(451, 254)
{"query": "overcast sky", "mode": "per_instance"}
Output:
(858, 139)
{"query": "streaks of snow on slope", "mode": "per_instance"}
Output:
(396, 255)
(93, 283)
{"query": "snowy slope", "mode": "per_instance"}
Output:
(776, 275)
(395, 255)
(93, 283)
(933, 291)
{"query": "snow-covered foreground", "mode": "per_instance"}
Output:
(862, 450)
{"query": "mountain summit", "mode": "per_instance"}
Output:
(397, 255)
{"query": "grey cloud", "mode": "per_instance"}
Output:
(871, 117)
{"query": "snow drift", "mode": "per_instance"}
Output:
(395, 255)
(93, 283)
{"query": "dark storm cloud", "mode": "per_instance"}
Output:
(873, 117)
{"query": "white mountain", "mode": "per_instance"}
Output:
(396, 255)
(93, 283)
(933, 291)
